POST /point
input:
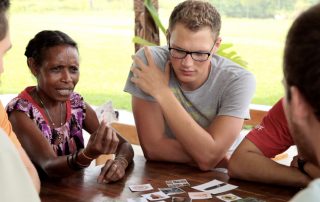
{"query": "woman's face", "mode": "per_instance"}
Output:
(58, 74)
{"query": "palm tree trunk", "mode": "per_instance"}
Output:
(144, 25)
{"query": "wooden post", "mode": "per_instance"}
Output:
(144, 25)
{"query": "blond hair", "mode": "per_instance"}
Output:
(195, 14)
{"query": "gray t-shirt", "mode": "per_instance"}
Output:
(227, 91)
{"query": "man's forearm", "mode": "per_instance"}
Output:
(312, 170)
(187, 131)
(254, 167)
(167, 150)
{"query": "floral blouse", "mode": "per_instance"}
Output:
(70, 131)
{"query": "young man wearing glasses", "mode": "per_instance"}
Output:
(188, 103)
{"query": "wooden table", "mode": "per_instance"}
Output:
(83, 186)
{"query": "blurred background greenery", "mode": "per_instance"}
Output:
(104, 30)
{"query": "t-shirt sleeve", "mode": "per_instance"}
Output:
(6, 126)
(19, 104)
(272, 136)
(78, 106)
(237, 95)
(130, 87)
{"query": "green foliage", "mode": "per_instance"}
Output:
(44, 6)
(259, 8)
(231, 55)
(104, 35)
(153, 12)
(139, 40)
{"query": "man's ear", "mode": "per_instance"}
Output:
(299, 106)
(217, 44)
(168, 37)
(32, 66)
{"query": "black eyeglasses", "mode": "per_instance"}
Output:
(195, 55)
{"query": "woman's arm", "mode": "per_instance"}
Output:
(42, 154)
(113, 170)
(37, 147)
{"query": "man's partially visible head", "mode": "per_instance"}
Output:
(5, 43)
(195, 15)
(302, 82)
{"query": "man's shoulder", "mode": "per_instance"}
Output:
(159, 53)
(226, 66)
(155, 50)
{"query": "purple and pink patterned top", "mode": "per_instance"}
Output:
(71, 130)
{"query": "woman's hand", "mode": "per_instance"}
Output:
(103, 141)
(150, 78)
(112, 171)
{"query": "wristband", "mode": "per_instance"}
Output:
(301, 164)
(86, 156)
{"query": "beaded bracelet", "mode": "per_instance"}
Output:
(86, 156)
(71, 163)
(78, 163)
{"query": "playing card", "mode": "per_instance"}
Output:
(171, 191)
(177, 183)
(171, 185)
(106, 112)
(180, 181)
(141, 199)
(228, 197)
(215, 187)
(181, 199)
(250, 199)
(155, 196)
(141, 187)
(199, 195)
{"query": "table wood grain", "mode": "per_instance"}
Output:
(83, 185)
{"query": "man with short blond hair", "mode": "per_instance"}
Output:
(189, 104)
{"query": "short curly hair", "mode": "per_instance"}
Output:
(195, 14)
(4, 6)
(301, 64)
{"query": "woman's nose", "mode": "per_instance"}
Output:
(66, 76)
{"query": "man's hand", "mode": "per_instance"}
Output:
(150, 78)
(294, 162)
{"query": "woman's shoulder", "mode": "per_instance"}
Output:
(76, 100)
(20, 104)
